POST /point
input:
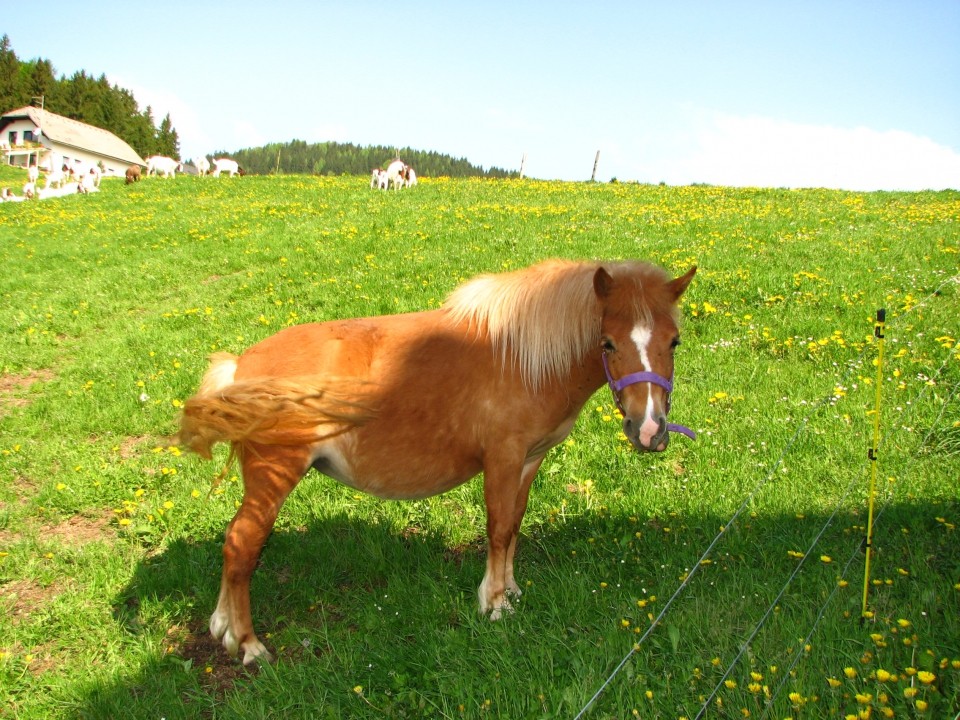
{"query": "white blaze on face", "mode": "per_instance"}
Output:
(641, 336)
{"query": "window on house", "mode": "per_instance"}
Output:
(28, 136)
(12, 138)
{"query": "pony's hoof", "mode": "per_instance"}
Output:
(220, 630)
(502, 608)
(254, 651)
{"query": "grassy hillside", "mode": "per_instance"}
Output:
(110, 536)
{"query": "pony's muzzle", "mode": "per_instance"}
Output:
(649, 435)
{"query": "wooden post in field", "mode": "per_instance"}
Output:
(523, 164)
(596, 160)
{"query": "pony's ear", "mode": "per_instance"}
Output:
(677, 286)
(602, 283)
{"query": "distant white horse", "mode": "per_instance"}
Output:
(55, 178)
(395, 172)
(410, 177)
(203, 165)
(86, 173)
(162, 165)
(226, 165)
(375, 178)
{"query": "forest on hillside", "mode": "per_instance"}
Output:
(82, 97)
(298, 157)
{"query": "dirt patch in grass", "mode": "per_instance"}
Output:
(218, 671)
(73, 532)
(14, 385)
(80, 530)
(19, 599)
(132, 446)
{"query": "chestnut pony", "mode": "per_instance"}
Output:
(408, 406)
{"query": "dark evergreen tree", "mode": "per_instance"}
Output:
(10, 95)
(40, 81)
(168, 143)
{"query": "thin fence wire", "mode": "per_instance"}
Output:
(788, 447)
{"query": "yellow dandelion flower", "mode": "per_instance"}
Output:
(850, 672)
(883, 675)
(921, 705)
(730, 684)
(833, 682)
(926, 677)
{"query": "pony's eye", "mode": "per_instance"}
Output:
(607, 344)
(675, 343)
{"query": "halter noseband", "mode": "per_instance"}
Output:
(651, 377)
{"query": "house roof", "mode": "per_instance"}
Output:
(73, 133)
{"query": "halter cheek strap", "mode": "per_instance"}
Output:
(617, 385)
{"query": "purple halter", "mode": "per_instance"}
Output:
(617, 385)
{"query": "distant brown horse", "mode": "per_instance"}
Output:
(408, 406)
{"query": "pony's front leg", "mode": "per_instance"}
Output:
(506, 485)
(526, 481)
(269, 474)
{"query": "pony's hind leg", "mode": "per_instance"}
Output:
(269, 474)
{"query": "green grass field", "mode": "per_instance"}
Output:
(110, 537)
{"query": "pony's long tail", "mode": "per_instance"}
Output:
(271, 411)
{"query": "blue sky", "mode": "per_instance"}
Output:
(838, 93)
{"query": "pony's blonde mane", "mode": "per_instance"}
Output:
(544, 318)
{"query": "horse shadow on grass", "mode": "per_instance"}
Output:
(331, 595)
(337, 570)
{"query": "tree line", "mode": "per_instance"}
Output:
(298, 157)
(82, 97)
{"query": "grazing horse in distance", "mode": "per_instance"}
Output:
(162, 165)
(412, 405)
(395, 173)
(226, 165)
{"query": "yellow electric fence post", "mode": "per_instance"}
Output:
(872, 455)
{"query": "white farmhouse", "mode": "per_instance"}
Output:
(30, 136)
